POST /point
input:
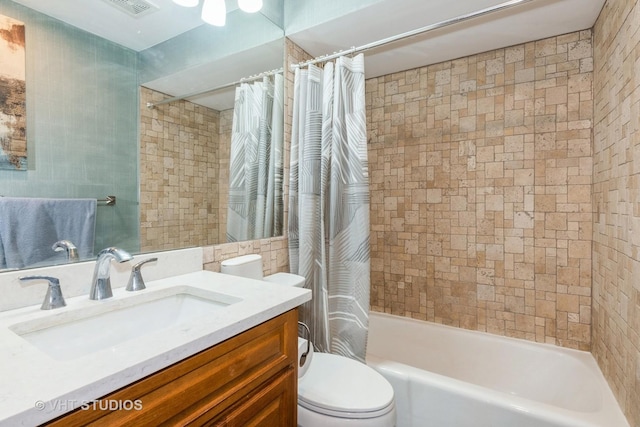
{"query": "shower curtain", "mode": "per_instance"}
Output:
(255, 172)
(329, 204)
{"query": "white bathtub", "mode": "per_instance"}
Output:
(451, 377)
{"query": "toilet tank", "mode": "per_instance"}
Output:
(249, 266)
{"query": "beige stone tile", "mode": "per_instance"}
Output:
(494, 192)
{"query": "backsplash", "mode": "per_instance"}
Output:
(480, 177)
(75, 279)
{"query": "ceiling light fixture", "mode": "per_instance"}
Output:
(187, 3)
(214, 12)
(250, 6)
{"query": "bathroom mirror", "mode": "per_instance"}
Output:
(91, 135)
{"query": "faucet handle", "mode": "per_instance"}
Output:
(136, 282)
(53, 298)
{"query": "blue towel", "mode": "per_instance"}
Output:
(30, 226)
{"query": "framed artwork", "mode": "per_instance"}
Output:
(13, 118)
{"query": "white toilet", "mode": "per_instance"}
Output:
(333, 391)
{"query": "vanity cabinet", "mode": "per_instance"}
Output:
(247, 380)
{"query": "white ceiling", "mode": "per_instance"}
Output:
(167, 21)
(530, 21)
(215, 74)
(138, 33)
(526, 22)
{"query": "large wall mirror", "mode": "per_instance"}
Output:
(91, 72)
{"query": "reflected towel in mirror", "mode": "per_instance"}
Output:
(30, 226)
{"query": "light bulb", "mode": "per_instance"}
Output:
(187, 3)
(250, 6)
(214, 12)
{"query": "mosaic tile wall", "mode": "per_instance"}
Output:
(480, 187)
(178, 174)
(616, 198)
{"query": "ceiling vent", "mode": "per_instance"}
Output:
(134, 8)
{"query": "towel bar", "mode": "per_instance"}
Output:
(108, 201)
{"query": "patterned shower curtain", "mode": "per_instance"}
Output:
(329, 204)
(255, 171)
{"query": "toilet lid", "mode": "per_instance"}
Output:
(337, 385)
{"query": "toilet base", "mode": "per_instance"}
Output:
(308, 418)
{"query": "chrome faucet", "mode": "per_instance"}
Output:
(101, 283)
(69, 247)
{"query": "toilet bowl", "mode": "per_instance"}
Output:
(333, 390)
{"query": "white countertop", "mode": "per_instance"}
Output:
(35, 388)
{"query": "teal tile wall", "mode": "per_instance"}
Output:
(82, 123)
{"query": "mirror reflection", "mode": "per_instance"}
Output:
(91, 135)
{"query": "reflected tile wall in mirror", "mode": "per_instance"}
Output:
(179, 169)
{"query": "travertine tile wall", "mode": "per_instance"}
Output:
(178, 174)
(616, 199)
(480, 187)
(168, 136)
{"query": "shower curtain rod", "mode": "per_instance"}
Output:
(225, 86)
(431, 27)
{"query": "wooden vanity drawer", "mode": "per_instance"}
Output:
(266, 407)
(213, 384)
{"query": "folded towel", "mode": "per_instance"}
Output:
(30, 226)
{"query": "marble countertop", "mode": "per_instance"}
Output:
(35, 387)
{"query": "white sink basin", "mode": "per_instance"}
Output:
(73, 334)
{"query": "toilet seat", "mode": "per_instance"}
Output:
(341, 387)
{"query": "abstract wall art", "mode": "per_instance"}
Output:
(13, 119)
